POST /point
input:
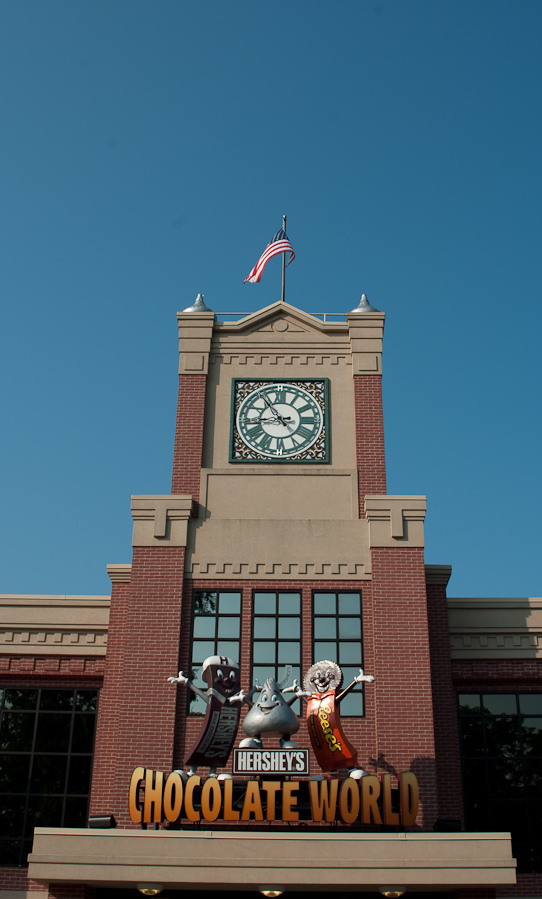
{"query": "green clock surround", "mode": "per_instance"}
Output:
(280, 420)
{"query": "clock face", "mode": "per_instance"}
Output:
(279, 421)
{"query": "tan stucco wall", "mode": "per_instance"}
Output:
(245, 861)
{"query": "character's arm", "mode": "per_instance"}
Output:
(181, 679)
(299, 694)
(369, 678)
(243, 697)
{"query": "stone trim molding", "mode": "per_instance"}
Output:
(438, 574)
(495, 628)
(395, 520)
(119, 574)
(161, 520)
(54, 625)
(282, 358)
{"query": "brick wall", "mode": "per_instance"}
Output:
(187, 454)
(403, 694)
(146, 632)
(450, 790)
(369, 423)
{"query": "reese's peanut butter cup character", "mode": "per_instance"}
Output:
(332, 748)
(224, 699)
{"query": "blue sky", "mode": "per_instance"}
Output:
(149, 151)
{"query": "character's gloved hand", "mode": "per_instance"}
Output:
(369, 678)
(181, 679)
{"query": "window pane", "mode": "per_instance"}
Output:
(49, 774)
(79, 776)
(17, 731)
(532, 736)
(205, 603)
(229, 604)
(349, 654)
(506, 780)
(289, 628)
(530, 703)
(43, 811)
(349, 604)
(57, 700)
(14, 770)
(229, 648)
(349, 628)
(83, 733)
(11, 816)
(265, 603)
(325, 651)
(289, 604)
(86, 700)
(352, 704)
(502, 737)
(533, 776)
(264, 627)
(349, 673)
(20, 699)
(260, 673)
(76, 814)
(324, 604)
(264, 651)
(201, 650)
(288, 654)
(325, 628)
(198, 706)
(228, 627)
(204, 627)
(474, 779)
(472, 737)
(469, 704)
(500, 703)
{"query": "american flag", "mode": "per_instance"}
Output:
(278, 244)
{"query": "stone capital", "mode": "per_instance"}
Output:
(161, 520)
(395, 521)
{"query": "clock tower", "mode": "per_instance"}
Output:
(278, 545)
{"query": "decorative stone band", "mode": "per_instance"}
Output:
(54, 625)
(279, 569)
(161, 520)
(395, 520)
(496, 628)
(282, 358)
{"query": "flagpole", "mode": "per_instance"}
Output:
(283, 264)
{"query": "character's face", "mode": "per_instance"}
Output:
(224, 678)
(323, 676)
(323, 680)
(269, 700)
(270, 713)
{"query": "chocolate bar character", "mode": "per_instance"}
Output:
(331, 747)
(224, 699)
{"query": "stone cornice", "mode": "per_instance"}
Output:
(495, 628)
(54, 625)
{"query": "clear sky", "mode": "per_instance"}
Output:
(149, 151)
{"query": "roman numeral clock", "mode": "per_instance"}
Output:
(280, 420)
